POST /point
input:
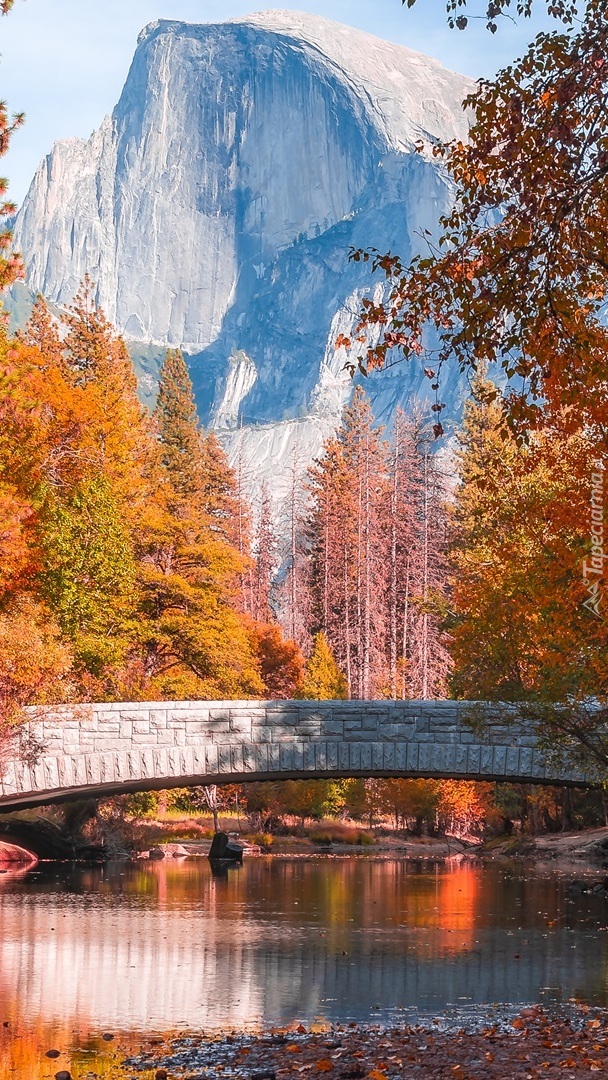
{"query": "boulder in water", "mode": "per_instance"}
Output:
(225, 849)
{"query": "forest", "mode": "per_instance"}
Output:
(133, 566)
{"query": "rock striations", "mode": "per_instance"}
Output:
(216, 206)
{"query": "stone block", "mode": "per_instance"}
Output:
(525, 760)
(332, 755)
(422, 723)
(212, 759)
(217, 727)
(274, 758)
(191, 738)
(391, 732)
(460, 760)
(284, 719)
(8, 782)
(308, 727)
(363, 735)
(241, 725)
(344, 756)
(366, 755)
(355, 757)
(106, 768)
(219, 716)
(93, 768)
(248, 758)
(51, 773)
(159, 758)
(539, 767)
(389, 757)
(173, 761)
(236, 759)
(332, 727)
(65, 772)
(377, 756)
(224, 759)
(474, 760)
(152, 740)
(314, 715)
(321, 756)
(425, 757)
(500, 760)
(132, 716)
(261, 757)
(444, 757)
(298, 756)
(286, 756)
(79, 768)
(196, 727)
(262, 733)
(308, 758)
(199, 761)
(487, 760)
(70, 727)
(108, 722)
(146, 764)
(512, 761)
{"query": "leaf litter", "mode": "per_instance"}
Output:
(526, 1046)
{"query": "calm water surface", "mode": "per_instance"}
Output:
(152, 946)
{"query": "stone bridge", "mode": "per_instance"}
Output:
(83, 751)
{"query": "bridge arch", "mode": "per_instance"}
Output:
(83, 751)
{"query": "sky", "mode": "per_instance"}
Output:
(64, 62)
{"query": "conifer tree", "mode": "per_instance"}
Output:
(522, 537)
(264, 559)
(323, 679)
(348, 567)
(195, 643)
(88, 571)
(178, 429)
(42, 332)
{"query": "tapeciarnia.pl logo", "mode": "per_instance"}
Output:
(594, 567)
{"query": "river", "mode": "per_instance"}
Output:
(149, 946)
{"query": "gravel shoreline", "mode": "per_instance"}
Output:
(570, 1043)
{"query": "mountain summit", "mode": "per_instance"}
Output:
(215, 208)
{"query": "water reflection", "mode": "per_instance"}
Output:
(158, 945)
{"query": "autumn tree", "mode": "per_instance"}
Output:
(35, 663)
(377, 534)
(348, 486)
(414, 527)
(281, 662)
(519, 272)
(522, 521)
(194, 642)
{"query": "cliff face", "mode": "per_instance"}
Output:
(216, 207)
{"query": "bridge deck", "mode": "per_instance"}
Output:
(95, 750)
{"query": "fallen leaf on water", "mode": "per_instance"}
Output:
(324, 1065)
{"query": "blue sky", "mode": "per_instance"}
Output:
(63, 62)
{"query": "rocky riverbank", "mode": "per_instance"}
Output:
(521, 1047)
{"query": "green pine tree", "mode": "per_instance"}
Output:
(323, 679)
(178, 428)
